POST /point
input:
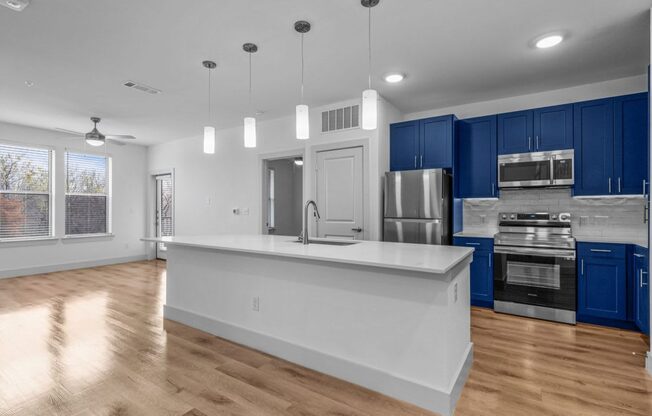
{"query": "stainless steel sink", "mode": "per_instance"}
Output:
(329, 243)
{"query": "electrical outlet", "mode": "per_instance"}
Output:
(255, 304)
(455, 292)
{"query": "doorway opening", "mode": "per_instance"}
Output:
(282, 195)
(164, 219)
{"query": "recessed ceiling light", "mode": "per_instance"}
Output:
(16, 5)
(393, 78)
(548, 41)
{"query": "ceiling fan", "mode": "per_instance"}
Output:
(95, 138)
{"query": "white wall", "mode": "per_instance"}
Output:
(128, 205)
(232, 176)
(584, 92)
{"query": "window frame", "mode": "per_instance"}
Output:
(108, 194)
(50, 193)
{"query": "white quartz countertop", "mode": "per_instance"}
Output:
(640, 241)
(401, 256)
(488, 233)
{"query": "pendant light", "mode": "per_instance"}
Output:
(302, 113)
(250, 122)
(369, 96)
(209, 131)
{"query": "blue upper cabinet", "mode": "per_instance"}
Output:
(422, 144)
(476, 156)
(515, 132)
(548, 128)
(630, 143)
(553, 128)
(404, 145)
(436, 142)
(594, 145)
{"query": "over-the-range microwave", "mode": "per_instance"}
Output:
(536, 169)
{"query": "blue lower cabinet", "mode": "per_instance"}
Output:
(602, 282)
(482, 275)
(641, 286)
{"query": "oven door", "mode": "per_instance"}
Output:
(518, 171)
(533, 276)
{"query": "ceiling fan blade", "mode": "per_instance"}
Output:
(116, 142)
(119, 137)
(76, 133)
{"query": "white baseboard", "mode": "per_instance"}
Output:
(430, 398)
(27, 271)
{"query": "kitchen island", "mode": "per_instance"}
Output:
(392, 317)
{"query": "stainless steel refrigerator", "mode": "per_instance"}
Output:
(418, 207)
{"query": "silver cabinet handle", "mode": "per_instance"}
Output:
(415, 161)
(609, 185)
(357, 230)
(600, 250)
(493, 189)
(641, 284)
(644, 187)
(421, 161)
(582, 272)
(472, 244)
(490, 261)
(537, 142)
(529, 143)
(619, 191)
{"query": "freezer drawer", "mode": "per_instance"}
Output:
(413, 231)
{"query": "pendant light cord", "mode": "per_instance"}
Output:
(369, 35)
(250, 80)
(209, 95)
(302, 68)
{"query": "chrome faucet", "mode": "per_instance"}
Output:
(304, 233)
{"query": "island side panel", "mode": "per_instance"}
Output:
(392, 331)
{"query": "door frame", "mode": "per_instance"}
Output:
(263, 158)
(346, 144)
(151, 207)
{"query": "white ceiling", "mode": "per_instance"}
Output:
(78, 54)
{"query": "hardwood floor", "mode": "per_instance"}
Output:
(93, 342)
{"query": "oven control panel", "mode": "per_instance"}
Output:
(534, 217)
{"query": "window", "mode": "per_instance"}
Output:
(25, 195)
(87, 194)
(270, 199)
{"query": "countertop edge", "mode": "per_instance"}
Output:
(440, 272)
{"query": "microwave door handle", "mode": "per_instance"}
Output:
(552, 171)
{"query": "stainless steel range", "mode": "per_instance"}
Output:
(534, 266)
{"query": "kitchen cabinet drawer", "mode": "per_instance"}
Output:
(606, 250)
(475, 242)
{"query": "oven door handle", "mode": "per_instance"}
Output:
(526, 251)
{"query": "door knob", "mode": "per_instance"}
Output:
(357, 230)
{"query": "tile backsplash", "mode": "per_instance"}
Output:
(594, 217)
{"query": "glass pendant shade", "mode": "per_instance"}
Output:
(303, 122)
(369, 109)
(209, 140)
(249, 132)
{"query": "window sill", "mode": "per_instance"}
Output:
(21, 242)
(80, 236)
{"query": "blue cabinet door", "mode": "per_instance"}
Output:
(476, 152)
(641, 290)
(436, 142)
(404, 145)
(602, 281)
(631, 143)
(515, 132)
(482, 276)
(553, 128)
(594, 145)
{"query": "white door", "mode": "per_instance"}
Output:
(340, 191)
(164, 212)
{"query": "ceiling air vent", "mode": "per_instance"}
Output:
(340, 119)
(141, 87)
